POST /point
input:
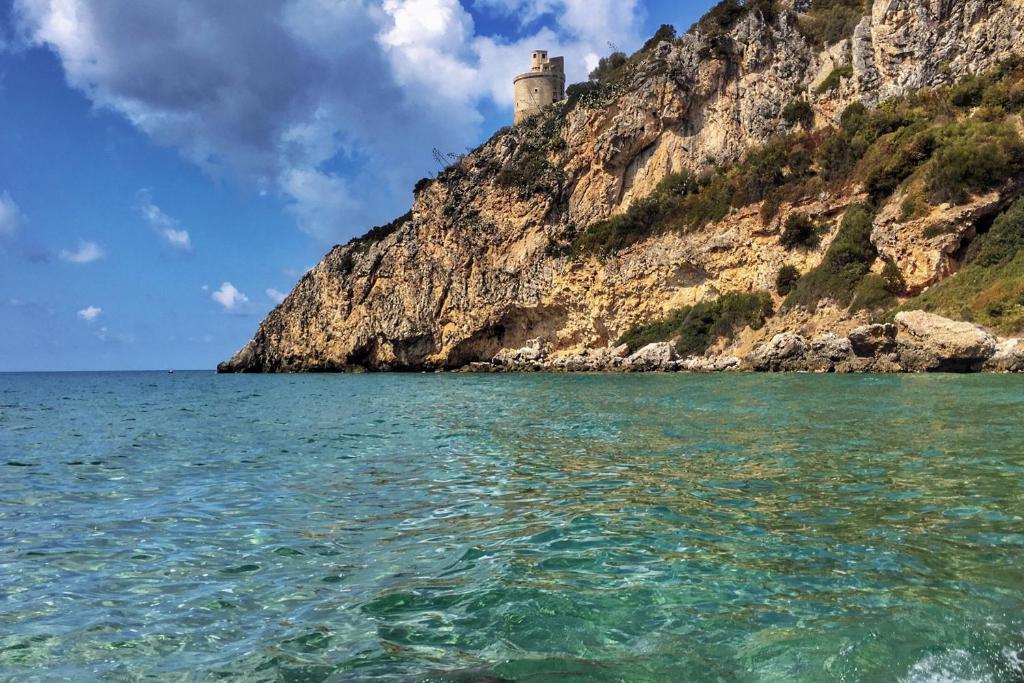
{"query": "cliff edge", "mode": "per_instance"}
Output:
(598, 216)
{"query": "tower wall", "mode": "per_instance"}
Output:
(539, 87)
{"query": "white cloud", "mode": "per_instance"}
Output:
(229, 297)
(106, 335)
(87, 252)
(275, 295)
(282, 93)
(161, 223)
(321, 202)
(90, 313)
(11, 217)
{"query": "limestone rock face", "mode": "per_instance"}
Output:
(932, 342)
(1009, 357)
(481, 266)
(870, 340)
(656, 356)
(785, 351)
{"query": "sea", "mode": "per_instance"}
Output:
(536, 527)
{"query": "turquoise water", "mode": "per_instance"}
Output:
(535, 527)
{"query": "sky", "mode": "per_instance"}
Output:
(170, 168)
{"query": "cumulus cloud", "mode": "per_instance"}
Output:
(90, 313)
(11, 218)
(87, 252)
(161, 223)
(275, 295)
(283, 94)
(229, 297)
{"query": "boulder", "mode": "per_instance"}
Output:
(871, 340)
(656, 356)
(784, 352)
(931, 343)
(830, 347)
(535, 351)
(1009, 357)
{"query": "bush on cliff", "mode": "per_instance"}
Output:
(697, 327)
(827, 22)
(847, 260)
(798, 112)
(834, 79)
(945, 154)
(1003, 240)
(800, 231)
(974, 157)
(786, 279)
(379, 232)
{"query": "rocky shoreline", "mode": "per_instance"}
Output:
(915, 342)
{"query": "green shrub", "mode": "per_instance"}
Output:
(967, 92)
(587, 93)
(710, 320)
(800, 231)
(623, 230)
(379, 232)
(798, 112)
(974, 157)
(899, 164)
(722, 17)
(697, 327)
(786, 279)
(834, 79)
(769, 208)
(893, 278)
(608, 67)
(643, 218)
(1003, 240)
(666, 33)
(846, 262)
(662, 330)
(346, 264)
(829, 21)
(854, 118)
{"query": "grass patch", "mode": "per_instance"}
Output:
(1003, 240)
(992, 296)
(695, 328)
(834, 79)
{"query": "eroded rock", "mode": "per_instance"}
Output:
(930, 343)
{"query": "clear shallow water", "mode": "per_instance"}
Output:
(304, 528)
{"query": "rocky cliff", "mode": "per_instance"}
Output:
(486, 261)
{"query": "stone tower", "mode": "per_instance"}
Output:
(543, 84)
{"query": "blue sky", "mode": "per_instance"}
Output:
(169, 169)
